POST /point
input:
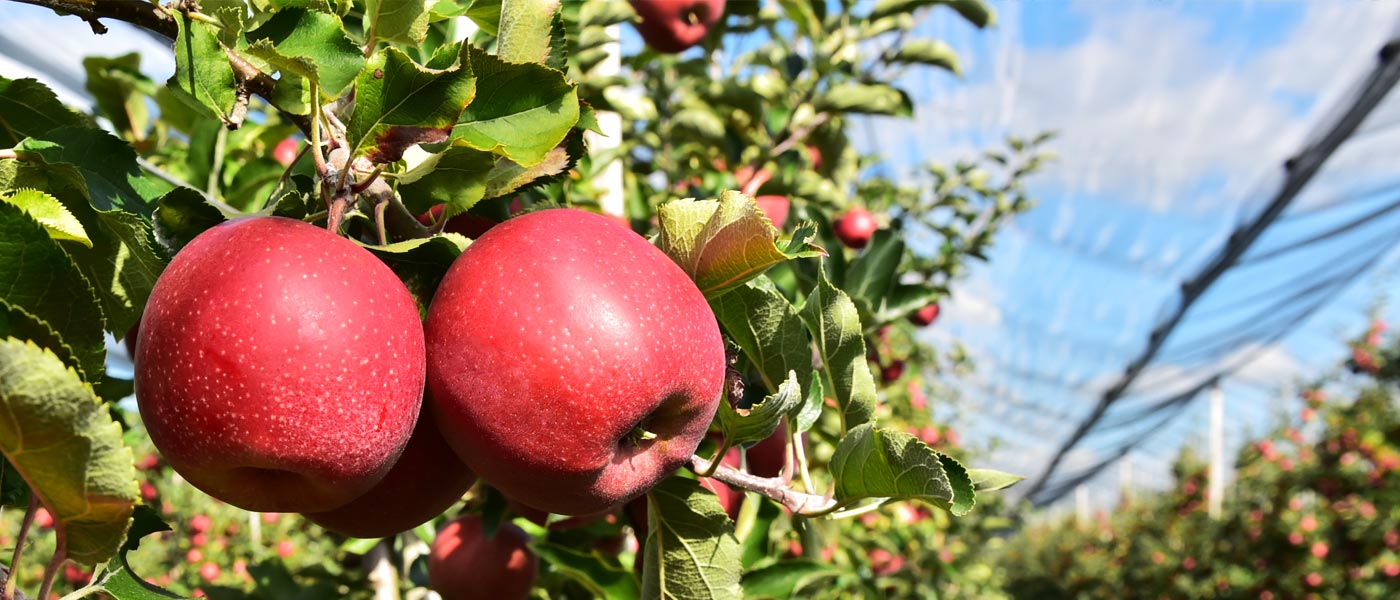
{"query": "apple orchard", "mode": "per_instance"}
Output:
(459, 298)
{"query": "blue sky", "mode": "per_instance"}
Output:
(1175, 118)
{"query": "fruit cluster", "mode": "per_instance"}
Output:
(564, 359)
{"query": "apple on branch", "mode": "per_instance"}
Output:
(571, 363)
(671, 26)
(855, 227)
(279, 367)
(465, 564)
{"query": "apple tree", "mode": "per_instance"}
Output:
(364, 145)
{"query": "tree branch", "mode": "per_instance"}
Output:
(141, 13)
(771, 487)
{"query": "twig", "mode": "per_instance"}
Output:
(8, 154)
(60, 554)
(770, 487)
(8, 593)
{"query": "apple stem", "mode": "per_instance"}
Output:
(379, 223)
(859, 510)
(9, 591)
(719, 456)
(799, 453)
(775, 488)
(60, 554)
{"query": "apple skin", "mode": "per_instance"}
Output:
(286, 151)
(555, 336)
(729, 498)
(855, 227)
(671, 26)
(463, 564)
(427, 479)
(775, 208)
(469, 225)
(925, 316)
(767, 457)
(280, 367)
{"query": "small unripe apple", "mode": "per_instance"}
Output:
(671, 26)
(855, 228)
(571, 363)
(280, 367)
(427, 479)
(924, 316)
(775, 208)
(286, 151)
(464, 564)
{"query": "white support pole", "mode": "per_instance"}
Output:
(1125, 478)
(610, 178)
(1215, 489)
(1081, 505)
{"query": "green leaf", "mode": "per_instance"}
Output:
(928, 52)
(421, 263)
(203, 74)
(182, 214)
(975, 12)
(121, 91)
(456, 177)
(121, 261)
(508, 176)
(907, 298)
(832, 319)
(144, 521)
(17, 323)
(231, 14)
(486, 14)
(524, 34)
(601, 576)
(55, 432)
(123, 584)
(722, 243)
(29, 108)
(877, 463)
(601, 13)
(811, 409)
(872, 99)
(782, 580)
(521, 111)
(690, 551)
(310, 44)
(106, 163)
(756, 545)
(758, 422)
(397, 21)
(50, 213)
(988, 480)
(399, 104)
(36, 275)
(870, 275)
(767, 328)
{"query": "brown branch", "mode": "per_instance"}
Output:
(141, 13)
(776, 488)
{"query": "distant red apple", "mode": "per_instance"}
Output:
(750, 179)
(200, 523)
(209, 571)
(815, 155)
(892, 372)
(775, 208)
(468, 225)
(855, 228)
(767, 458)
(924, 316)
(729, 498)
(286, 151)
(671, 26)
(286, 548)
(464, 564)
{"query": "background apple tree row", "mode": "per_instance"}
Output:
(378, 122)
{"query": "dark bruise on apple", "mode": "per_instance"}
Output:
(672, 26)
(279, 367)
(571, 363)
(427, 479)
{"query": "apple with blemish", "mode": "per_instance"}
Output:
(279, 367)
(562, 321)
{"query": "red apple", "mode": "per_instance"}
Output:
(464, 564)
(671, 26)
(775, 208)
(280, 367)
(750, 179)
(286, 151)
(286, 549)
(200, 523)
(554, 341)
(468, 225)
(427, 479)
(767, 457)
(855, 227)
(924, 316)
(209, 571)
(892, 372)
